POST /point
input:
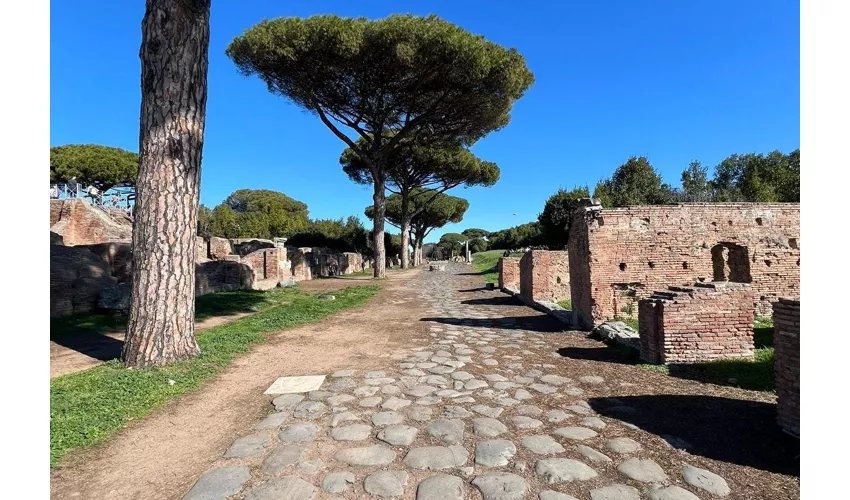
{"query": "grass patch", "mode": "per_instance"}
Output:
(566, 304)
(487, 264)
(87, 407)
(206, 306)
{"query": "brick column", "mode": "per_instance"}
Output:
(786, 345)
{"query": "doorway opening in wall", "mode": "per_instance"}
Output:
(731, 262)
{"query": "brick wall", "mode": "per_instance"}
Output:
(509, 273)
(618, 256)
(81, 224)
(544, 275)
(786, 345)
(704, 322)
(264, 267)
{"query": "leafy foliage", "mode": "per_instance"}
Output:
(695, 182)
(557, 215)
(437, 210)
(101, 166)
(347, 235)
(774, 177)
(475, 233)
(524, 235)
(404, 77)
(634, 183)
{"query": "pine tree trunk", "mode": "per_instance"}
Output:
(405, 234)
(174, 54)
(380, 204)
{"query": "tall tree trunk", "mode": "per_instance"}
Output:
(379, 200)
(405, 231)
(174, 54)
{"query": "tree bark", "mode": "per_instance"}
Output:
(174, 55)
(405, 231)
(379, 206)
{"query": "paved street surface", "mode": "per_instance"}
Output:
(481, 405)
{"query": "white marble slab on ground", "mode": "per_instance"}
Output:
(292, 385)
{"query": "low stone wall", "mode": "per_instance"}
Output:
(705, 322)
(221, 276)
(509, 273)
(76, 278)
(786, 345)
(544, 275)
(117, 256)
(263, 264)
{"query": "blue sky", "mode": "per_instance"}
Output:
(674, 81)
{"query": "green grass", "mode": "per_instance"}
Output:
(206, 306)
(87, 407)
(566, 304)
(487, 264)
(756, 375)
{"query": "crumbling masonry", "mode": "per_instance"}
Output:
(544, 276)
(704, 322)
(786, 345)
(618, 256)
(509, 273)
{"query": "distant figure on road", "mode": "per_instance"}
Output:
(54, 192)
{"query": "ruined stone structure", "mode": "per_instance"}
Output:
(509, 273)
(786, 345)
(91, 256)
(617, 256)
(77, 276)
(79, 223)
(544, 275)
(704, 322)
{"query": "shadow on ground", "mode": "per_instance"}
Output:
(541, 323)
(497, 300)
(93, 334)
(470, 290)
(755, 375)
(730, 430)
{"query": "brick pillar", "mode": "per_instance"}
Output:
(786, 345)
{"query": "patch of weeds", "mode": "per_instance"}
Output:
(87, 407)
(566, 304)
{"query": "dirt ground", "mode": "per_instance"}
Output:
(160, 456)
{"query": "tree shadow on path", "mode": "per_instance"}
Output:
(730, 430)
(541, 323)
(498, 300)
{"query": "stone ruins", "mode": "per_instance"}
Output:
(619, 256)
(91, 257)
(705, 322)
(544, 276)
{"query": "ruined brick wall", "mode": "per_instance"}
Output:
(617, 256)
(264, 269)
(704, 322)
(81, 224)
(221, 276)
(544, 275)
(351, 262)
(786, 345)
(509, 273)
(77, 276)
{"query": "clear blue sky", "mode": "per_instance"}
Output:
(672, 80)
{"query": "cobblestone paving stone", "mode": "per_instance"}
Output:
(462, 413)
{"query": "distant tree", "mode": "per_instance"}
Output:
(101, 166)
(205, 218)
(344, 235)
(524, 235)
(174, 57)
(634, 183)
(478, 245)
(223, 222)
(695, 185)
(418, 77)
(557, 215)
(774, 177)
(452, 243)
(263, 214)
(436, 213)
(422, 173)
(475, 233)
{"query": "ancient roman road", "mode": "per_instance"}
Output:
(493, 400)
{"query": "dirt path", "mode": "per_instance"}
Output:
(160, 456)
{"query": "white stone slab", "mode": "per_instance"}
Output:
(292, 385)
